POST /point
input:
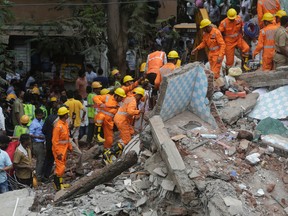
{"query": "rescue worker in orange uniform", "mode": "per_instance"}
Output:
(212, 39)
(170, 66)
(129, 84)
(267, 6)
(155, 61)
(60, 145)
(108, 106)
(266, 42)
(124, 116)
(278, 16)
(231, 29)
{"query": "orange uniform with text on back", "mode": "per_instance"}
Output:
(107, 109)
(232, 33)
(267, 43)
(60, 144)
(124, 118)
(216, 45)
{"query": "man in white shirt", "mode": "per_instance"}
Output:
(90, 74)
(2, 122)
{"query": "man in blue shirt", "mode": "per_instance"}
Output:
(5, 165)
(38, 142)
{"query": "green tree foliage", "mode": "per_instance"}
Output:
(6, 56)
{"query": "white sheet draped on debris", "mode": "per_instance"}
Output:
(273, 104)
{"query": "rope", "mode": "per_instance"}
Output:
(251, 30)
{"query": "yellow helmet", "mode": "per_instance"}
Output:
(96, 85)
(53, 99)
(127, 78)
(142, 67)
(115, 71)
(204, 23)
(62, 111)
(231, 13)
(139, 90)
(35, 90)
(281, 13)
(104, 91)
(268, 17)
(173, 54)
(120, 92)
(11, 96)
(24, 119)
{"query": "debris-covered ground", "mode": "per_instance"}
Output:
(187, 166)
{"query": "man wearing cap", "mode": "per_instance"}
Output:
(60, 145)
(117, 76)
(281, 44)
(231, 29)
(266, 42)
(212, 39)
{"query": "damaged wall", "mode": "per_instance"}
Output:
(185, 88)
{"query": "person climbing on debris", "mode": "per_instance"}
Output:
(60, 145)
(124, 119)
(266, 42)
(212, 39)
(170, 66)
(231, 28)
(108, 106)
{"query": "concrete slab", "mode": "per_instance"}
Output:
(25, 199)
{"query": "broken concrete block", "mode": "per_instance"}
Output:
(253, 159)
(270, 187)
(244, 134)
(150, 213)
(286, 211)
(231, 151)
(141, 201)
(193, 174)
(159, 172)
(168, 185)
(178, 137)
(244, 144)
(235, 205)
(260, 192)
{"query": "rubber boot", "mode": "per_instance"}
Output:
(62, 185)
(56, 183)
(98, 134)
(245, 65)
(108, 157)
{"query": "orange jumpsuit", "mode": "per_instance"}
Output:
(107, 109)
(124, 118)
(166, 69)
(266, 6)
(128, 89)
(267, 43)
(60, 145)
(232, 33)
(216, 45)
(154, 62)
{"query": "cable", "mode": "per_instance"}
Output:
(83, 4)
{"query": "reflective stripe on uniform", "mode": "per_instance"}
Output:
(107, 113)
(214, 48)
(269, 47)
(122, 113)
(232, 35)
(63, 141)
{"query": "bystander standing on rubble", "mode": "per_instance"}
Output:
(90, 75)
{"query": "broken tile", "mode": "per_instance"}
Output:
(253, 158)
(167, 185)
(231, 151)
(127, 182)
